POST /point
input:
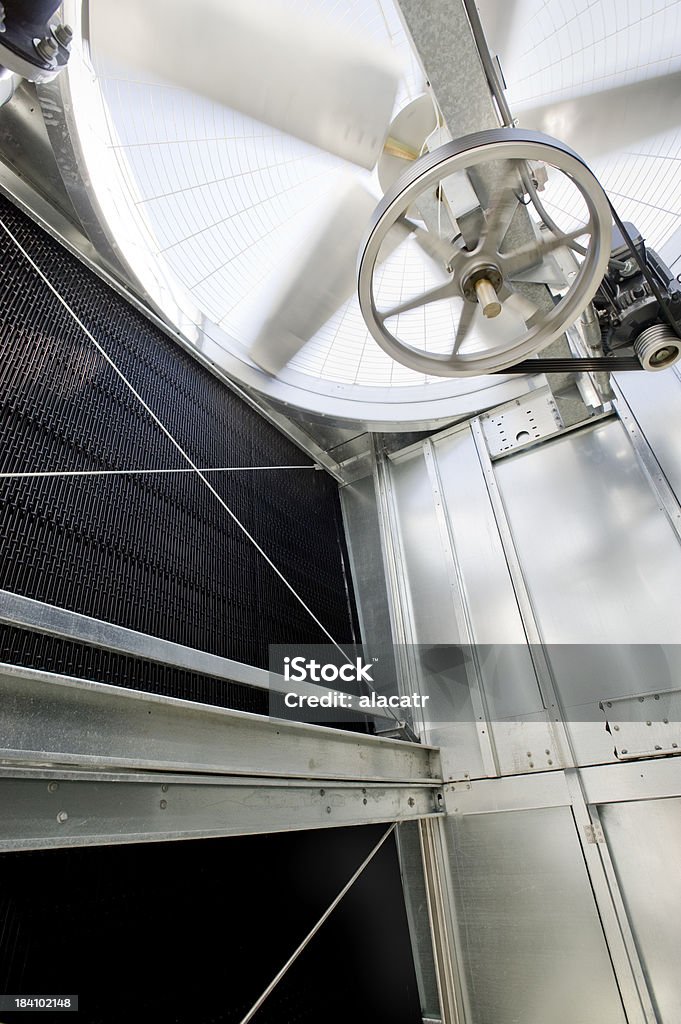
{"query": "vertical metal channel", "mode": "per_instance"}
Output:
(538, 655)
(625, 960)
(438, 891)
(621, 946)
(432, 841)
(399, 602)
(464, 626)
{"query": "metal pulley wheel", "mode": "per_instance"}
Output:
(495, 263)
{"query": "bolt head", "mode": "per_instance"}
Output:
(47, 48)
(64, 35)
(62, 817)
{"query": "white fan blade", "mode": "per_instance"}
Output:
(301, 73)
(607, 121)
(319, 283)
(324, 277)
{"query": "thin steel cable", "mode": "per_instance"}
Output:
(310, 935)
(172, 440)
(135, 472)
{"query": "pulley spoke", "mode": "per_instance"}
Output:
(464, 325)
(434, 245)
(443, 291)
(529, 255)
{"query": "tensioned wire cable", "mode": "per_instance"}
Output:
(138, 472)
(193, 467)
(311, 934)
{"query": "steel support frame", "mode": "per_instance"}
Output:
(626, 963)
(582, 789)
(53, 808)
(442, 925)
(84, 763)
(38, 617)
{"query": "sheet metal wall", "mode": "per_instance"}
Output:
(153, 553)
(565, 558)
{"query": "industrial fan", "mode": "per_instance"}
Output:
(506, 279)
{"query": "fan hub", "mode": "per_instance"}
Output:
(478, 274)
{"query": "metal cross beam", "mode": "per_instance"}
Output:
(85, 763)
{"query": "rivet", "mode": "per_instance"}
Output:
(164, 788)
(322, 792)
(624, 750)
(665, 721)
(657, 696)
(675, 745)
(328, 810)
(608, 704)
(52, 787)
(62, 817)
(658, 747)
(365, 801)
(641, 699)
(616, 728)
(163, 804)
(648, 723)
(547, 751)
(529, 753)
(531, 764)
(550, 761)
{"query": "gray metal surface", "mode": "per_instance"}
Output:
(416, 903)
(605, 567)
(602, 565)
(443, 929)
(50, 809)
(521, 422)
(600, 784)
(438, 30)
(16, 610)
(533, 946)
(54, 720)
(645, 780)
(647, 725)
(427, 604)
(657, 450)
(360, 515)
(459, 590)
(644, 838)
